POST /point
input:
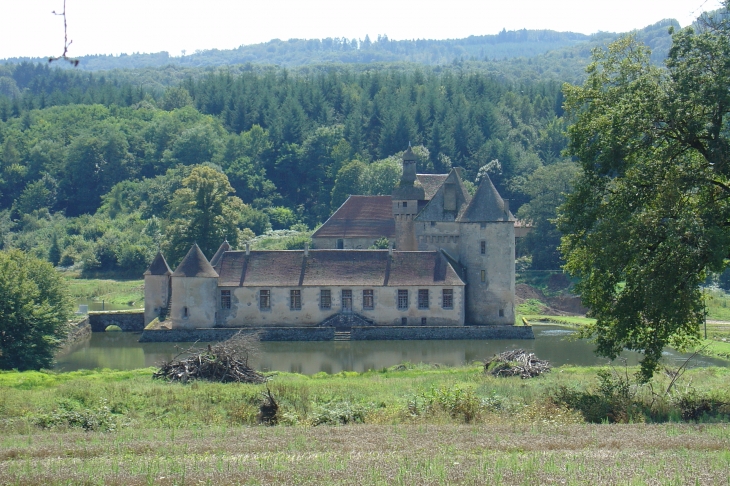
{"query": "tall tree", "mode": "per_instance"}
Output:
(34, 311)
(650, 214)
(203, 211)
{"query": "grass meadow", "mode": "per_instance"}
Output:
(403, 425)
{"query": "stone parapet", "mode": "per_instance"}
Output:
(128, 321)
(393, 333)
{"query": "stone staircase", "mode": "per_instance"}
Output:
(344, 321)
(342, 335)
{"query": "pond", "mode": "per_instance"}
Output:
(122, 351)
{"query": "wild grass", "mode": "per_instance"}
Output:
(409, 424)
(374, 454)
(124, 292)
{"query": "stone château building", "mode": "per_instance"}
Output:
(453, 264)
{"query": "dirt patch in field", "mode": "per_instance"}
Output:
(561, 305)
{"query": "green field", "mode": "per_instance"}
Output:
(403, 425)
(121, 292)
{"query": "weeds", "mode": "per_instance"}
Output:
(99, 418)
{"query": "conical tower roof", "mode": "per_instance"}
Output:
(486, 205)
(158, 266)
(219, 254)
(408, 154)
(195, 265)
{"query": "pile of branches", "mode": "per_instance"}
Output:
(516, 363)
(225, 362)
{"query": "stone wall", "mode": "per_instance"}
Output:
(364, 333)
(221, 334)
(128, 321)
(383, 333)
(79, 331)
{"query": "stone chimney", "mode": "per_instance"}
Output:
(248, 248)
(506, 208)
(390, 248)
(306, 249)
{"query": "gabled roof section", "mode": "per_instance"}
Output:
(486, 205)
(374, 268)
(158, 266)
(431, 183)
(436, 209)
(360, 217)
(195, 265)
(219, 254)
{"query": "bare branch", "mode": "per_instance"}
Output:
(66, 42)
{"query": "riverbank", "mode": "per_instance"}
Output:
(403, 425)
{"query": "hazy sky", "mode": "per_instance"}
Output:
(28, 28)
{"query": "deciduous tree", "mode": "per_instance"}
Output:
(650, 214)
(34, 311)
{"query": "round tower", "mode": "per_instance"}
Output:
(156, 289)
(487, 251)
(194, 292)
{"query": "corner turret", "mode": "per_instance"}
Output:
(194, 292)
(487, 251)
(156, 288)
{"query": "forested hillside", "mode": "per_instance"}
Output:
(561, 54)
(99, 169)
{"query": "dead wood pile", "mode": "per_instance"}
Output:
(516, 363)
(225, 362)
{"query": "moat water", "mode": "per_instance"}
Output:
(121, 351)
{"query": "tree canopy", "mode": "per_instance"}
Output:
(650, 213)
(34, 311)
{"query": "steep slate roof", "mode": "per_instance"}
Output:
(336, 268)
(486, 205)
(218, 254)
(431, 183)
(434, 210)
(158, 266)
(360, 217)
(195, 265)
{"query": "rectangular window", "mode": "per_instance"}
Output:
(423, 321)
(405, 204)
(264, 299)
(482, 225)
(483, 248)
(340, 244)
(225, 299)
(403, 299)
(484, 276)
(347, 300)
(295, 299)
(447, 298)
(368, 302)
(501, 312)
(325, 299)
(423, 298)
(403, 321)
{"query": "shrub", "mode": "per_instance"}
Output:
(90, 419)
(613, 401)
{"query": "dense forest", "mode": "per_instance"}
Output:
(539, 45)
(98, 170)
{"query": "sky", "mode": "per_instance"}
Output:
(29, 28)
